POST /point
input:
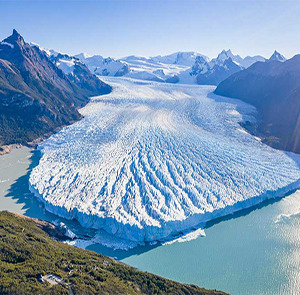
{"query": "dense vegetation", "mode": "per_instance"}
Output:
(27, 252)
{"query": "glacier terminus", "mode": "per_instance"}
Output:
(151, 160)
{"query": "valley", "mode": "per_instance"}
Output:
(180, 164)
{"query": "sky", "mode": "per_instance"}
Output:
(148, 28)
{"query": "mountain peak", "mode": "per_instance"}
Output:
(14, 38)
(15, 33)
(82, 56)
(277, 56)
(227, 51)
(225, 54)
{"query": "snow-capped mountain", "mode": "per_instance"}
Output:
(65, 62)
(212, 72)
(218, 71)
(243, 62)
(36, 97)
(180, 58)
(99, 65)
(277, 56)
(274, 89)
(225, 55)
(161, 66)
(158, 68)
(250, 60)
(49, 52)
(201, 65)
(188, 67)
(77, 71)
(179, 67)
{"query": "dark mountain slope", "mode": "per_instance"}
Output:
(35, 96)
(274, 89)
(277, 56)
(218, 72)
(28, 254)
(218, 69)
(79, 74)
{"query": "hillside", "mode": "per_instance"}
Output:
(30, 258)
(36, 97)
(273, 87)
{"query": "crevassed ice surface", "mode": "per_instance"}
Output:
(150, 160)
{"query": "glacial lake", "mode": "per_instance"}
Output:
(255, 251)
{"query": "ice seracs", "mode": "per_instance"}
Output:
(151, 160)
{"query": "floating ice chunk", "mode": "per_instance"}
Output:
(188, 237)
(106, 240)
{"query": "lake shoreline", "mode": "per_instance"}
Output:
(212, 252)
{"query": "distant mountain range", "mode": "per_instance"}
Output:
(36, 97)
(273, 87)
(180, 67)
(104, 66)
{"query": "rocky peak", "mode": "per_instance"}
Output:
(14, 38)
(277, 56)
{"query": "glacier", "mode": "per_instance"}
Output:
(152, 160)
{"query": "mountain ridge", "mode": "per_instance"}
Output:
(36, 97)
(186, 67)
(182, 67)
(274, 89)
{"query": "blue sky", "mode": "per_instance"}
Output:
(120, 28)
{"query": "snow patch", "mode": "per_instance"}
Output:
(66, 65)
(7, 44)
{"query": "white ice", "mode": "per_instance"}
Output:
(151, 160)
(188, 237)
(66, 65)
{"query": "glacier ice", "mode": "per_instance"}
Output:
(151, 160)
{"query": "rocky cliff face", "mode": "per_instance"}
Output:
(274, 89)
(36, 97)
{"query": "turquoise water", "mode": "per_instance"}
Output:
(256, 251)
(14, 191)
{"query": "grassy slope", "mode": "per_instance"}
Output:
(26, 251)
